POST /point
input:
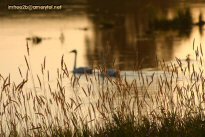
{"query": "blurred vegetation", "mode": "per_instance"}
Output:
(181, 22)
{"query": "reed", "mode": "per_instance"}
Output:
(169, 102)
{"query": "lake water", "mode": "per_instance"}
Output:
(119, 37)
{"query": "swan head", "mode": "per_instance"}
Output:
(73, 51)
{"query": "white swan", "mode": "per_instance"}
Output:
(111, 73)
(80, 70)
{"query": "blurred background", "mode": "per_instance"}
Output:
(120, 34)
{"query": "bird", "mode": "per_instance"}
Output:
(80, 70)
(110, 72)
(201, 22)
(35, 39)
(188, 60)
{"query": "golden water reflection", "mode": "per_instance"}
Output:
(14, 32)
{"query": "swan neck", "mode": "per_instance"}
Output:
(75, 61)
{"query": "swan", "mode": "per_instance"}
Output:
(111, 73)
(80, 70)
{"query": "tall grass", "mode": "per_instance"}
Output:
(169, 102)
